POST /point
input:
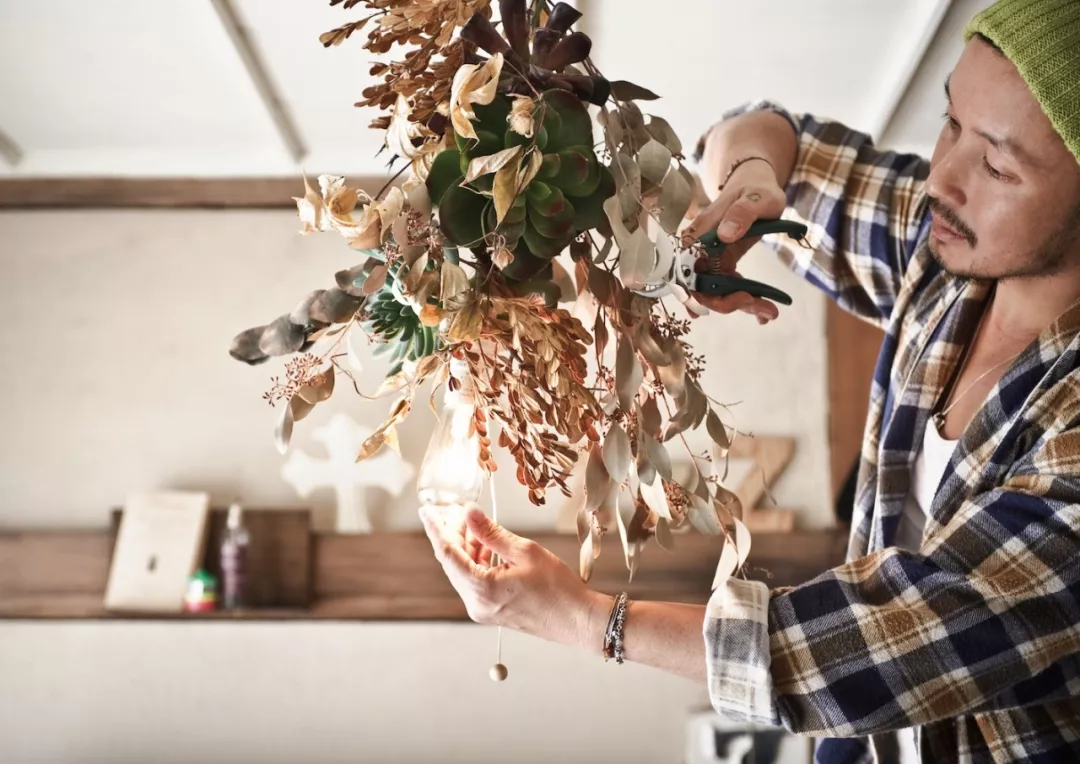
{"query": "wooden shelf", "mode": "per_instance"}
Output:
(61, 575)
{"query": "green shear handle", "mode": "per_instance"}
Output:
(719, 284)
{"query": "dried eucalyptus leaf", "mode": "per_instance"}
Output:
(727, 505)
(613, 210)
(605, 251)
(717, 431)
(412, 279)
(650, 418)
(645, 470)
(628, 182)
(429, 282)
(505, 191)
(637, 261)
(375, 281)
(742, 541)
(649, 347)
(426, 365)
(613, 130)
(623, 516)
(529, 170)
(703, 517)
(617, 453)
(586, 559)
(412, 253)
(372, 446)
(467, 324)
(660, 130)
(301, 313)
(725, 567)
(284, 428)
(663, 535)
(282, 337)
(673, 376)
(655, 498)
(419, 199)
(400, 229)
(659, 456)
(654, 159)
(319, 388)
(600, 334)
(392, 384)
(454, 290)
(628, 91)
(628, 373)
(675, 198)
(481, 166)
(583, 523)
(597, 480)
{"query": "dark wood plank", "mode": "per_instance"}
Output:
(389, 576)
(205, 193)
(853, 347)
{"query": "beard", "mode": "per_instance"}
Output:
(1049, 258)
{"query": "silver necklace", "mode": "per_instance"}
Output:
(939, 417)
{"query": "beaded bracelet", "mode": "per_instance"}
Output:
(613, 635)
(735, 166)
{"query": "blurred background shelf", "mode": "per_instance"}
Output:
(62, 575)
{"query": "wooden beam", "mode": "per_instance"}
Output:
(391, 576)
(171, 193)
(260, 77)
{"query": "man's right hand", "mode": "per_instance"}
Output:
(751, 193)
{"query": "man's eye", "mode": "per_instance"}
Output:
(991, 171)
(952, 123)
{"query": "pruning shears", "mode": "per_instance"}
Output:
(709, 282)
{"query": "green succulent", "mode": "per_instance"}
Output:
(393, 320)
(565, 198)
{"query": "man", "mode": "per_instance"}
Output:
(956, 619)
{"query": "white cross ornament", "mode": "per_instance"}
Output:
(343, 438)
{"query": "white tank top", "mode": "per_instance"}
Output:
(930, 464)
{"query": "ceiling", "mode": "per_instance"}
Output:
(150, 88)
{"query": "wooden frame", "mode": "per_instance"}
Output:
(390, 576)
(168, 193)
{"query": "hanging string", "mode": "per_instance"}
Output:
(498, 671)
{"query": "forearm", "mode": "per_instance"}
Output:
(664, 635)
(762, 133)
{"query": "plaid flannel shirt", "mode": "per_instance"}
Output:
(974, 639)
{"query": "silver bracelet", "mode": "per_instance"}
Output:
(613, 635)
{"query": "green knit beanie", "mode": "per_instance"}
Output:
(1042, 39)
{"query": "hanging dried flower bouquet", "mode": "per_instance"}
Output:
(503, 173)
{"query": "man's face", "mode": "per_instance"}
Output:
(1004, 188)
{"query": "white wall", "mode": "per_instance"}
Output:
(115, 328)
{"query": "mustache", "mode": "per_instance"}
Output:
(953, 220)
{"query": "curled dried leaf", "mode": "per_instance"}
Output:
(486, 165)
(371, 446)
(726, 566)
(473, 84)
(454, 289)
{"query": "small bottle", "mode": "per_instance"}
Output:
(234, 559)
